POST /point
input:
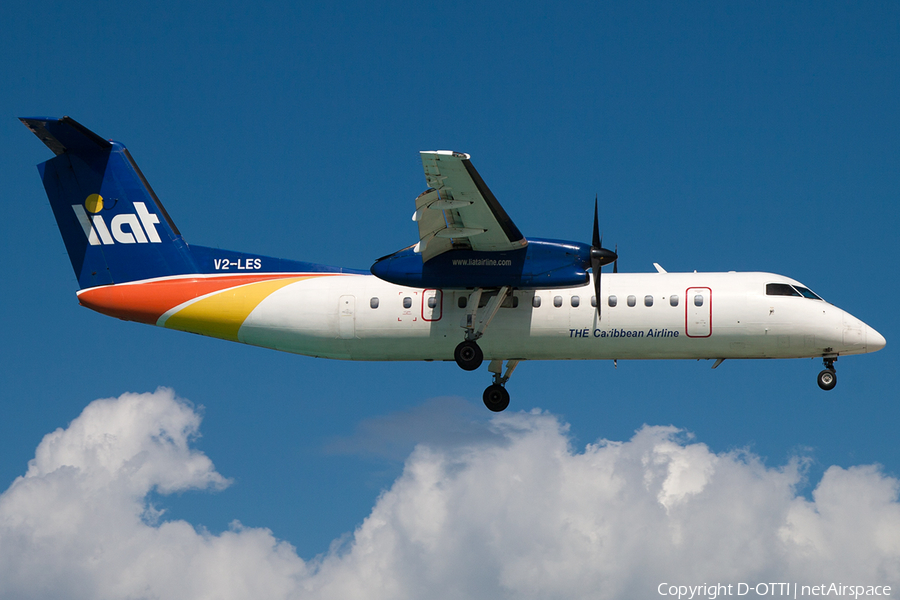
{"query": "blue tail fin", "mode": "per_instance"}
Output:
(114, 227)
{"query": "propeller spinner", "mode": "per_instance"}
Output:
(599, 256)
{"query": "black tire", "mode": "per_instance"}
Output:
(496, 398)
(468, 356)
(827, 379)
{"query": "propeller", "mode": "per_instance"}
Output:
(600, 256)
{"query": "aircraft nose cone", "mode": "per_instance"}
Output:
(874, 340)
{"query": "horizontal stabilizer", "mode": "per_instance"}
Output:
(66, 134)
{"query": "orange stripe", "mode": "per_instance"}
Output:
(147, 302)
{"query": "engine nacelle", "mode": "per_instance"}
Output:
(542, 264)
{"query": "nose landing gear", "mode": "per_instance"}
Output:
(827, 378)
(495, 397)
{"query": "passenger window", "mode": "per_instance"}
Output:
(432, 302)
(373, 303)
(575, 301)
(673, 300)
(462, 301)
(648, 300)
(536, 301)
(612, 301)
(407, 302)
(698, 300)
(594, 301)
(632, 300)
(557, 301)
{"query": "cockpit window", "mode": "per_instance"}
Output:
(783, 289)
(780, 289)
(808, 293)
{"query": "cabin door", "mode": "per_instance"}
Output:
(698, 312)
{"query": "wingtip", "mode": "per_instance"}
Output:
(452, 153)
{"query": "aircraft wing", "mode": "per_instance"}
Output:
(458, 211)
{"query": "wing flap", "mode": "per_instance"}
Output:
(459, 210)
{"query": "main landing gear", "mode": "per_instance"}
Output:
(469, 356)
(827, 379)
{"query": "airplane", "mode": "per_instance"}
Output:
(473, 288)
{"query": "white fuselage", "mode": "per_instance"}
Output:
(674, 315)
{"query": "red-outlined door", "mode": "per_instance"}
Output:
(698, 312)
(432, 305)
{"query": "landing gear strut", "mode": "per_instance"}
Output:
(468, 354)
(495, 397)
(827, 379)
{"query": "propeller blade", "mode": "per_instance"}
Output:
(599, 255)
(616, 262)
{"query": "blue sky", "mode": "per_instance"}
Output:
(718, 136)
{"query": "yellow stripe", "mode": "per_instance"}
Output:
(221, 315)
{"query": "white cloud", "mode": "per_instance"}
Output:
(518, 513)
(77, 524)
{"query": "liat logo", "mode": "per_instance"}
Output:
(126, 228)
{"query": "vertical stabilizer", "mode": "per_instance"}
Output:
(114, 227)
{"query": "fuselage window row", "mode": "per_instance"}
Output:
(575, 301)
(772, 289)
(611, 300)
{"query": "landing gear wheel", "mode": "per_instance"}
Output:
(496, 398)
(827, 379)
(468, 356)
